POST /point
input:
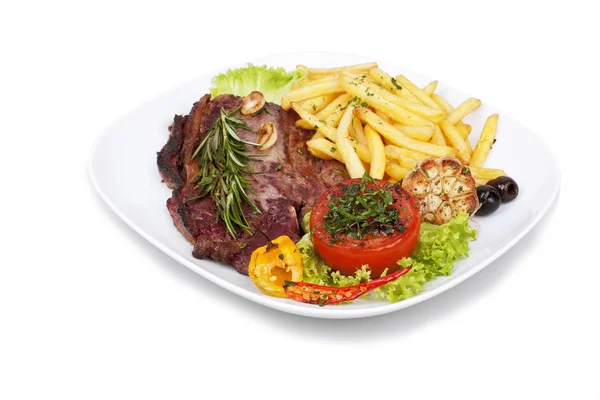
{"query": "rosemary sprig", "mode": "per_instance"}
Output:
(223, 162)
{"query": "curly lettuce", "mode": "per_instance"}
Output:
(437, 250)
(271, 82)
(440, 246)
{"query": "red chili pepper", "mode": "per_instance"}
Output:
(322, 295)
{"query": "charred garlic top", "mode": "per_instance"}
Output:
(442, 187)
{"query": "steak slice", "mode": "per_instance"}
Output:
(169, 158)
(288, 182)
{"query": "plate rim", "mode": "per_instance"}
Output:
(302, 309)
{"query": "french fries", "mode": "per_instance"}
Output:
(370, 121)
(486, 173)
(395, 171)
(316, 104)
(442, 103)
(400, 139)
(486, 141)
(389, 83)
(463, 129)
(423, 133)
(462, 110)
(457, 141)
(430, 88)
(377, 153)
(324, 149)
(418, 93)
(319, 125)
(438, 137)
(481, 182)
(374, 100)
(359, 131)
(327, 111)
(416, 108)
(353, 164)
(308, 91)
(320, 72)
(397, 152)
(362, 151)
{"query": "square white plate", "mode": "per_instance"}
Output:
(122, 167)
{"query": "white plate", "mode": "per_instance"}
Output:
(122, 167)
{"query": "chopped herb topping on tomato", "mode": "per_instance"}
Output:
(363, 209)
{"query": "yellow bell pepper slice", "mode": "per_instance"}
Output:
(271, 265)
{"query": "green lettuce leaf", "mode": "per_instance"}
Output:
(271, 82)
(305, 223)
(437, 250)
(407, 285)
(315, 270)
(439, 246)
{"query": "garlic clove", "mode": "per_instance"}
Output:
(252, 103)
(267, 136)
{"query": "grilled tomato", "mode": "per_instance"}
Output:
(365, 222)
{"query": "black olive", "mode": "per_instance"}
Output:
(506, 186)
(489, 200)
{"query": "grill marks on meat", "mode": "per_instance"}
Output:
(289, 182)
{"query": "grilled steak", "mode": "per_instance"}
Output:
(289, 182)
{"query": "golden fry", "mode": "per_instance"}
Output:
(422, 133)
(318, 135)
(318, 103)
(359, 131)
(339, 102)
(486, 141)
(400, 139)
(377, 153)
(486, 173)
(324, 149)
(481, 182)
(391, 152)
(430, 88)
(462, 110)
(335, 106)
(353, 164)
(320, 125)
(384, 117)
(394, 152)
(457, 141)
(397, 154)
(362, 151)
(308, 91)
(318, 72)
(389, 83)
(351, 132)
(376, 101)
(371, 87)
(438, 137)
(443, 103)
(395, 171)
(418, 93)
(463, 129)
(408, 162)
(327, 78)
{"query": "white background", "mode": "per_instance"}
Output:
(89, 310)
